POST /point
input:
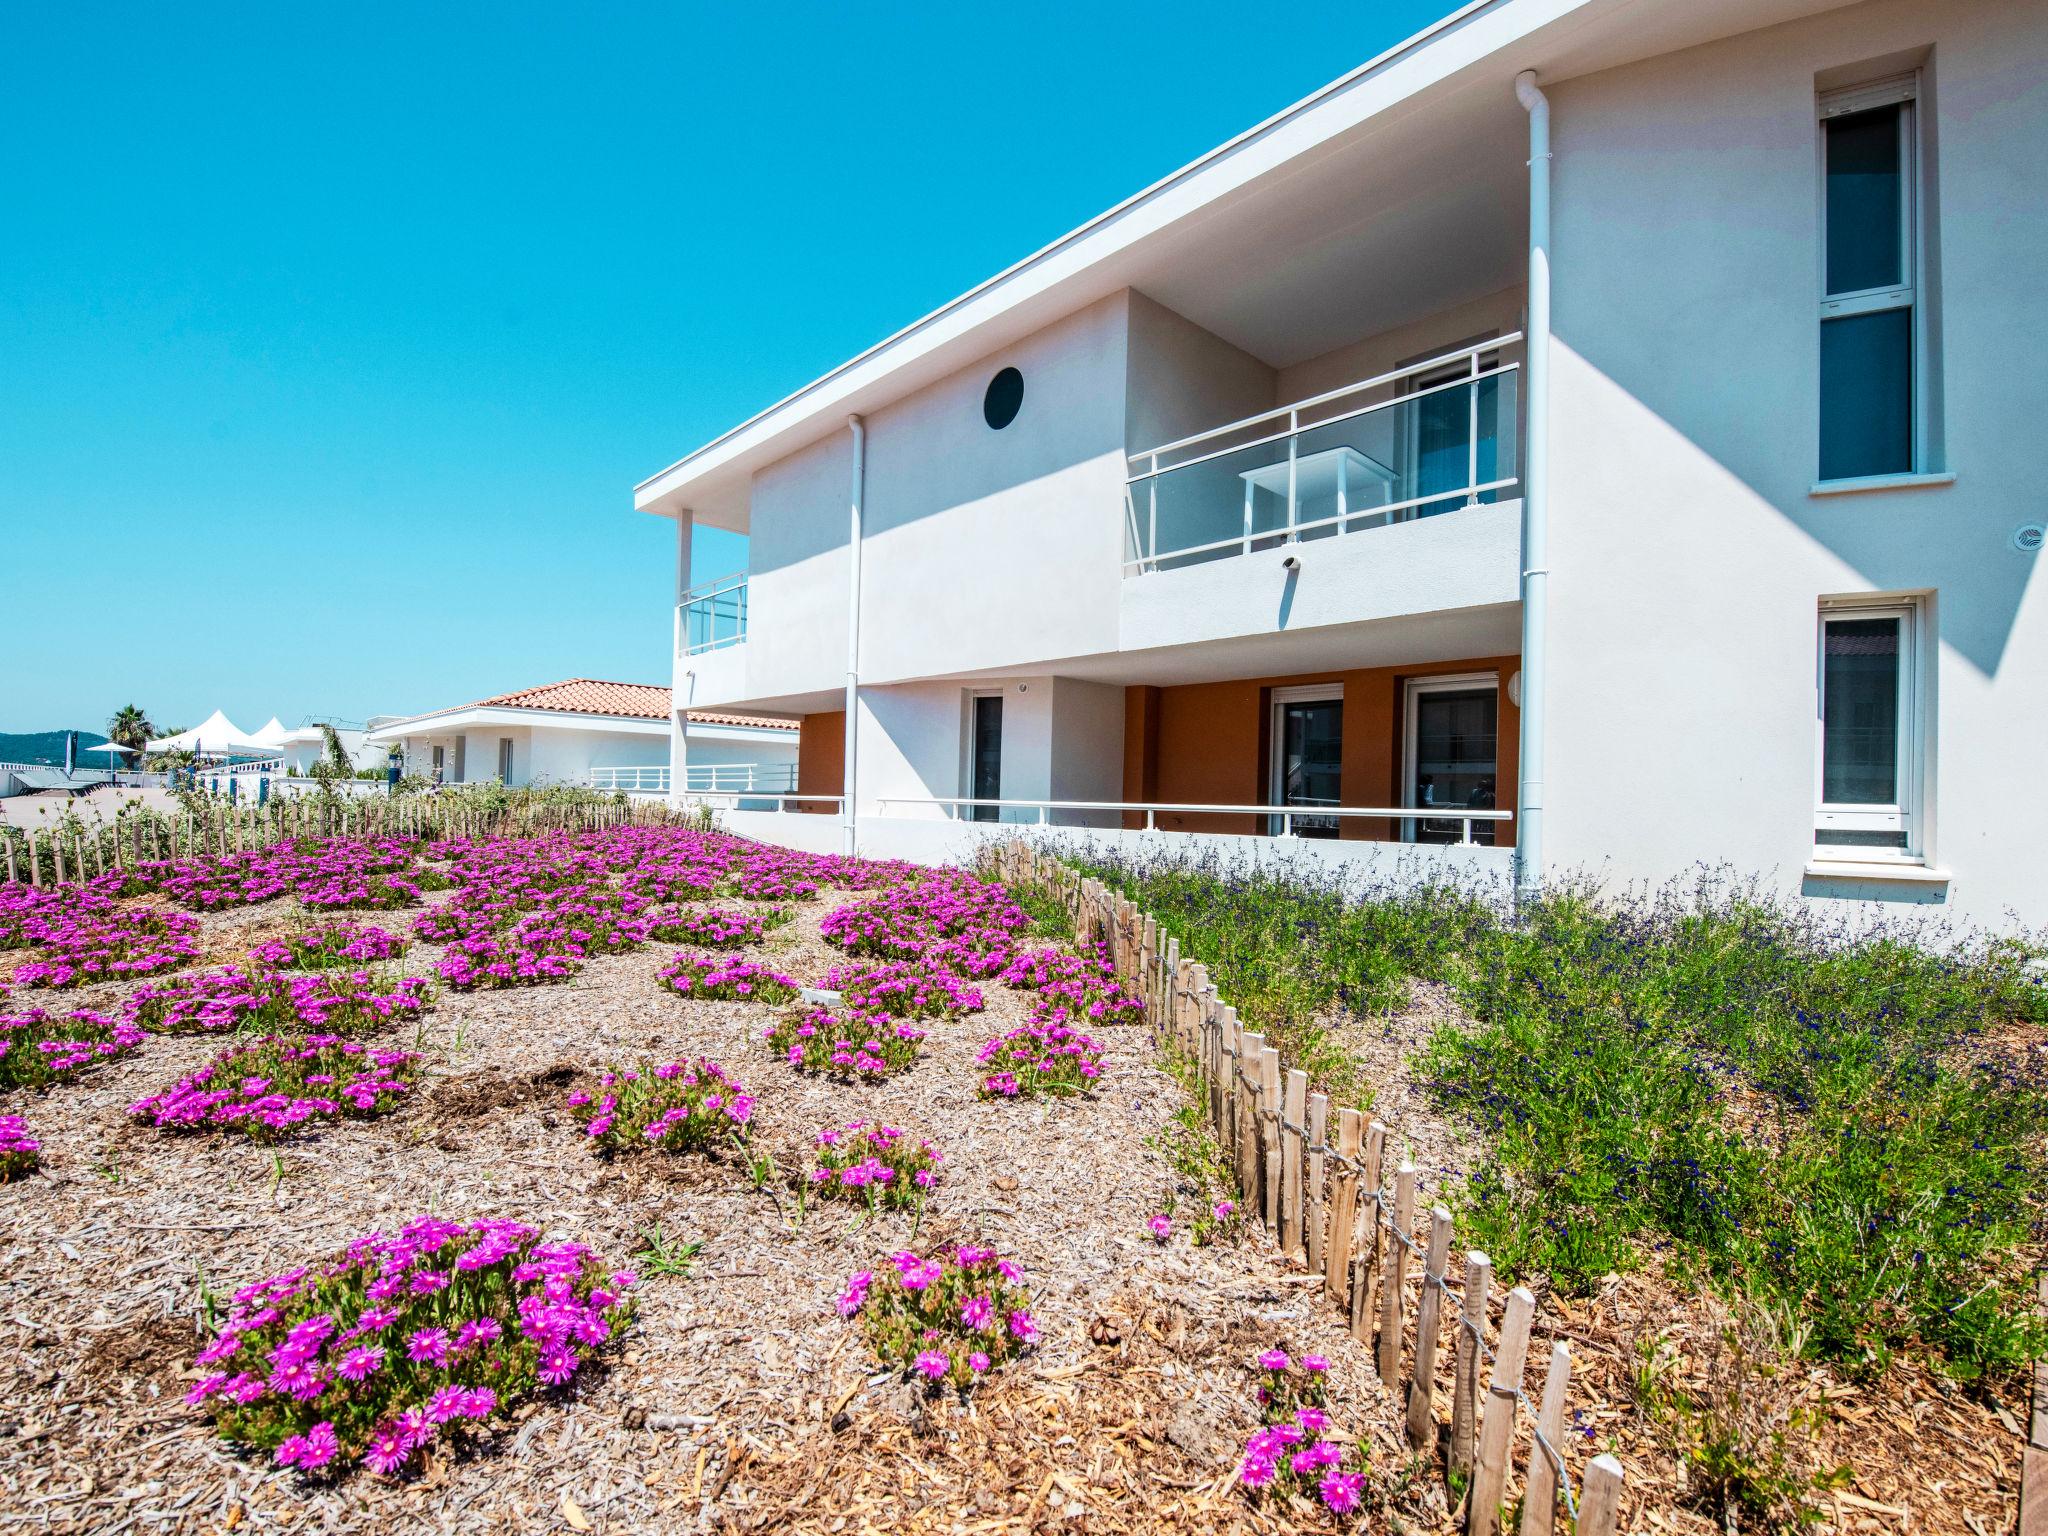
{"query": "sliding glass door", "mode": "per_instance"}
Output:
(1452, 748)
(1308, 752)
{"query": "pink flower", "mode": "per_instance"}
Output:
(933, 1363)
(1341, 1490)
(1274, 1360)
(1161, 1226)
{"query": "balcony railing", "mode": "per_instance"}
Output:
(708, 778)
(1280, 820)
(1409, 444)
(712, 616)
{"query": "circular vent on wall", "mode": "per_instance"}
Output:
(2029, 537)
(1004, 399)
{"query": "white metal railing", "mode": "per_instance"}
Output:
(712, 616)
(1443, 435)
(1285, 815)
(781, 799)
(653, 778)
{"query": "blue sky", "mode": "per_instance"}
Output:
(334, 338)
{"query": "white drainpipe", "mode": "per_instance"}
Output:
(1535, 496)
(860, 465)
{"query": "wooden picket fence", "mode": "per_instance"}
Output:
(1347, 1211)
(77, 849)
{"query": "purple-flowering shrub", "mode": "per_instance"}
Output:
(1290, 1459)
(331, 1002)
(950, 1319)
(397, 1341)
(20, 1152)
(716, 927)
(1039, 1058)
(1286, 1385)
(855, 1043)
(903, 988)
(874, 1163)
(679, 1106)
(82, 948)
(37, 1048)
(714, 979)
(269, 1088)
(327, 945)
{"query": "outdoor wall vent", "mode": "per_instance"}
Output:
(1005, 397)
(2029, 537)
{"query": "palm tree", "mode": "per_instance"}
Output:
(130, 727)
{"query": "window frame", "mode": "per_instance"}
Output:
(1902, 91)
(1908, 815)
(1412, 690)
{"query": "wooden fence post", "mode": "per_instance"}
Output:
(1600, 1497)
(1315, 1202)
(1343, 1206)
(1269, 1131)
(1465, 1376)
(57, 849)
(1293, 1129)
(1249, 1044)
(1539, 1487)
(1497, 1427)
(1428, 1322)
(1372, 1202)
(1391, 1298)
(35, 862)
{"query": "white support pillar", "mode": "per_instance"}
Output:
(1535, 498)
(849, 814)
(678, 715)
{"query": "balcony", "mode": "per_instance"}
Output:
(713, 616)
(1423, 440)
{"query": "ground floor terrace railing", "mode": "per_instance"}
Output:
(782, 800)
(712, 616)
(653, 778)
(1283, 820)
(1425, 438)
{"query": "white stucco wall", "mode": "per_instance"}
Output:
(1687, 556)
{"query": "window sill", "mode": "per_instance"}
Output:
(1850, 869)
(1881, 483)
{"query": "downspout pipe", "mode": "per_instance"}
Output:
(1535, 499)
(854, 519)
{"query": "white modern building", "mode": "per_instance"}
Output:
(598, 734)
(1597, 433)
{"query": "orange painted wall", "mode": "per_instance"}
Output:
(1206, 743)
(821, 757)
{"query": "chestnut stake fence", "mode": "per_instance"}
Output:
(1345, 1207)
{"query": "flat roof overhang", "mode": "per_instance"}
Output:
(1334, 182)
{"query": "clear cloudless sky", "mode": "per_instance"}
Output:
(333, 338)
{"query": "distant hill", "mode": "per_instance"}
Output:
(48, 747)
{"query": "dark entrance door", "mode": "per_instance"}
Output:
(1311, 759)
(988, 756)
(1455, 741)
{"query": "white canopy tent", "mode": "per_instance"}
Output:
(274, 734)
(215, 736)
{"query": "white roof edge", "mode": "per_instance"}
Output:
(653, 486)
(562, 719)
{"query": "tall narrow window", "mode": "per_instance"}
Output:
(987, 756)
(504, 759)
(1307, 756)
(1869, 337)
(1872, 733)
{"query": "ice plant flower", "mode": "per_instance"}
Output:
(942, 1317)
(677, 1106)
(327, 945)
(876, 1164)
(704, 978)
(271, 1087)
(286, 1378)
(39, 1048)
(847, 1044)
(20, 1152)
(1039, 1058)
(1160, 1226)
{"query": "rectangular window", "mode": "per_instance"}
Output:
(1451, 754)
(986, 756)
(1870, 352)
(504, 759)
(1872, 733)
(1307, 765)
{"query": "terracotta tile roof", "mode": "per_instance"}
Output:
(633, 701)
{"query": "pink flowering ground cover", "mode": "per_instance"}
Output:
(904, 921)
(39, 1048)
(875, 1164)
(1039, 1058)
(20, 1153)
(237, 997)
(905, 988)
(717, 927)
(678, 1106)
(1288, 1457)
(947, 1319)
(398, 1343)
(847, 1043)
(708, 978)
(270, 1088)
(327, 945)
(82, 948)
(1074, 989)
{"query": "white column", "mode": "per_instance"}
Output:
(855, 499)
(678, 715)
(1529, 856)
